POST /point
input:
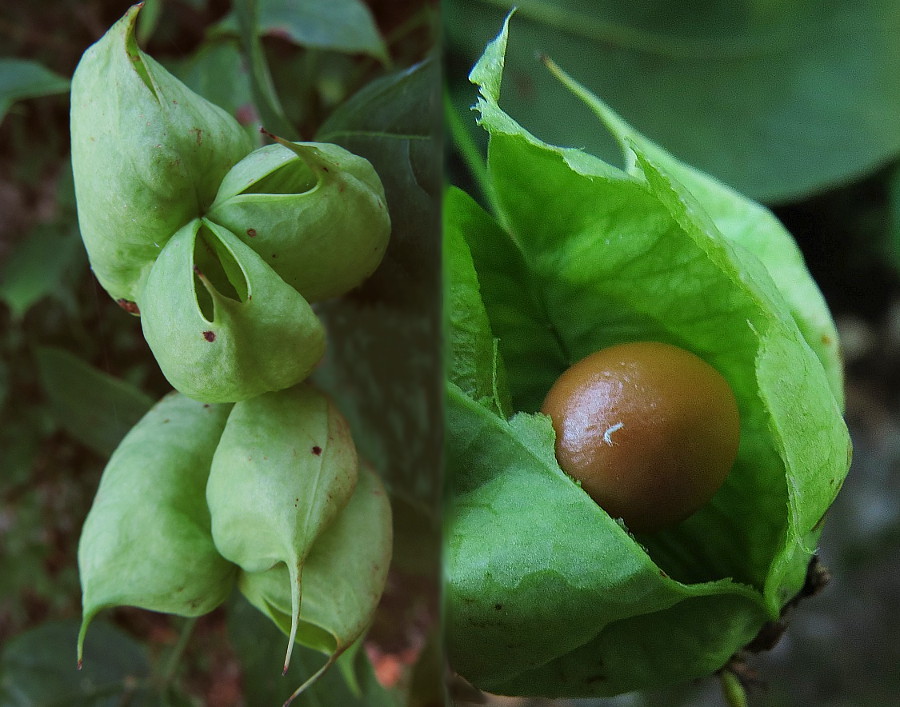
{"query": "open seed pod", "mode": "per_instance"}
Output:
(147, 540)
(343, 576)
(222, 324)
(313, 211)
(546, 592)
(284, 469)
(148, 155)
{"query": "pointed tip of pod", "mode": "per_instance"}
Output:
(295, 570)
(82, 632)
(311, 679)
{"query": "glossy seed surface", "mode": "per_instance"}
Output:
(649, 429)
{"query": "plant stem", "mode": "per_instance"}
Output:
(732, 689)
(174, 659)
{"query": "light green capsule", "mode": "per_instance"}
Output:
(222, 324)
(343, 577)
(284, 469)
(314, 211)
(148, 155)
(146, 541)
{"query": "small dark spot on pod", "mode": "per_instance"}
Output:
(317, 450)
(251, 232)
(498, 607)
(128, 306)
(209, 335)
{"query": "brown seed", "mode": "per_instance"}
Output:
(649, 429)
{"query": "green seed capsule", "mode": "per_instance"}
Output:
(343, 577)
(147, 541)
(148, 155)
(313, 211)
(284, 469)
(649, 429)
(222, 325)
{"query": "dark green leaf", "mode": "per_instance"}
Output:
(37, 669)
(92, 406)
(149, 20)
(338, 25)
(775, 104)
(20, 78)
(35, 269)
(384, 365)
(218, 73)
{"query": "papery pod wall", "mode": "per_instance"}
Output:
(546, 593)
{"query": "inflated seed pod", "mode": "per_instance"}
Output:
(649, 429)
(314, 211)
(284, 469)
(148, 155)
(147, 541)
(343, 577)
(222, 325)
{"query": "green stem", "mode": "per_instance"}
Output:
(168, 675)
(732, 689)
(263, 87)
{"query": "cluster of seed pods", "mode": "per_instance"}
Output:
(246, 476)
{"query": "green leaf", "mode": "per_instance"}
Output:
(21, 79)
(742, 221)
(530, 350)
(384, 368)
(203, 72)
(572, 577)
(38, 668)
(771, 104)
(146, 541)
(147, 156)
(95, 408)
(339, 25)
(473, 360)
(36, 267)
